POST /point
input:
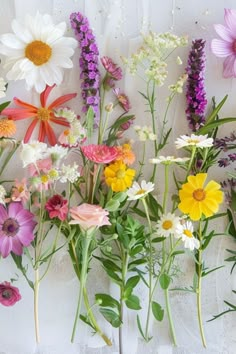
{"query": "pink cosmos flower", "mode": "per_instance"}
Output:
(100, 153)
(16, 229)
(57, 207)
(226, 46)
(89, 216)
(9, 294)
(20, 192)
(123, 99)
(113, 69)
(42, 115)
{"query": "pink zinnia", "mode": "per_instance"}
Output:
(16, 229)
(226, 46)
(57, 207)
(100, 153)
(9, 294)
(112, 69)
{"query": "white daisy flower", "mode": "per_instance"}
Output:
(185, 231)
(139, 191)
(167, 160)
(200, 141)
(2, 87)
(66, 113)
(37, 51)
(168, 225)
(33, 152)
(69, 173)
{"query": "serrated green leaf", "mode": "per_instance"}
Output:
(164, 281)
(133, 303)
(106, 300)
(157, 311)
(111, 316)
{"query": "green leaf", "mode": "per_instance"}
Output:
(232, 229)
(175, 253)
(133, 264)
(114, 276)
(140, 327)
(210, 271)
(158, 239)
(209, 127)
(165, 281)
(119, 196)
(214, 113)
(105, 300)
(112, 205)
(111, 316)
(90, 122)
(132, 282)
(4, 105)
(133, 303)
(157, 311)
(135, 250)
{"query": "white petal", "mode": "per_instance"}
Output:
(10, 40)
(21, 31)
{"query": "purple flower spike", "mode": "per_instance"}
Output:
(88, 63)
(195, 89)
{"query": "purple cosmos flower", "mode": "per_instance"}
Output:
(226, 46)
(9, 294)
(16, 229)
(195, 90)
(88, 63)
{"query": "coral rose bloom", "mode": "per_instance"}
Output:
(100, 153)
(9, 294)
(89, 216)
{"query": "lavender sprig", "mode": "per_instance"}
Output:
(195, 89)
(88, 63)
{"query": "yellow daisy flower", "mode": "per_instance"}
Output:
(118, 176)
(196, 200)
(7, 128)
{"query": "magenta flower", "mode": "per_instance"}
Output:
(57, 207)
(226, 46)
(123, 99)
(112, 69)
(89, 216)
(9, 294)
(16, 229)
(100, 153)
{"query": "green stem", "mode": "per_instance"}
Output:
(141, 163)
(191, 160)
(166, 187)
(101, 116)
(85, 251)
(170, 319)
(125, 261)
(36, 300)
(8, 157)
(199, 287)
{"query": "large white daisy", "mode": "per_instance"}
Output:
(200, 141)
(37, 51)
(185, 231)
(139, 191)
(167, 225)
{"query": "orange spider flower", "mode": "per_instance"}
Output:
(43, 115)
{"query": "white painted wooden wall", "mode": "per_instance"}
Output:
(117, 25)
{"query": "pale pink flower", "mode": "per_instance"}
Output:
(100, 153)
(89, 216)
(20, 191)
(9, 294)
(123, 99)
(57, 207)
(112, 69)
(226, 46)
(42, 166)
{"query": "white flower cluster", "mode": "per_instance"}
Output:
(145, 133)
(178, 86)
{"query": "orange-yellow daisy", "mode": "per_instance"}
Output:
(125, 154)
(118, 176)
(197, 200)
(7, 128)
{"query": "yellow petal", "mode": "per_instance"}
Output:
(198, 180)
(196, 211)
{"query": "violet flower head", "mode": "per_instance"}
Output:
(226, 46)
(195, 90)
(88, 63)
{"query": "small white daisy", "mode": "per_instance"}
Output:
(168, 225)
(69, 173)
(167, 160)
(200, 141)
(2, 88)
(37, 51)
(185, 231)
(139, 191)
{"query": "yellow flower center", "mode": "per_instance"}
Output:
(199, 194)
(141, 191)
(44, 179)
(43, 114)
(120, 174)
(188, 233)
(21, 189)
(167, 224)
(38, 52)
(192, 141)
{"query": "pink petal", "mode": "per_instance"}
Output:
(6, 246)
(221, 48)
(230, 19)
(225, 33)
(25, 235)
(13, 209)
(17, 247)
(229, 64)
(3, 214)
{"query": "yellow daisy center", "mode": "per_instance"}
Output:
(43, 114)
(38, 52)
(192, 141)
(120, 174)
(188, 233)
(140, 191)
(7, 128)
(44, 179)
(167, 224)
(199, 194)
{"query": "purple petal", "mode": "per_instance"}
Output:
(14, 209)
(25, 235)
(230, 19)
(25, 217)
(225, 33)
(6, 246)
(229, 67)
(3, 214)
(17, 247)
(221, 48)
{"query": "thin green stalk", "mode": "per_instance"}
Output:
(191, 160)
(36, 299)
(101, 115)
(199, 287)
(141, 163)
(8, 157)
(85, 257)
(166, 190)
(125, 260)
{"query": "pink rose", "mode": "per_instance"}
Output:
(57, 207)
(89, 215)
(9, 294)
